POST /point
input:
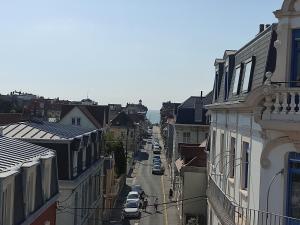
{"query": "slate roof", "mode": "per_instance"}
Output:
(43, 130)
(14, 152)
(122, 120)
(95, 113)
(261, 49)
(192, 110)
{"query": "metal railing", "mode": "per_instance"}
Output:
(245, 216)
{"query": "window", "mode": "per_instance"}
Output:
(247, 75)
(245, 165)
(73, 120)
(216, 86)
(222, 149)
(78, 121)
(295, 67)
(131, 134)
(213, 148)
(226, 86)
(236, 84)
(186, 137)
(232, 158)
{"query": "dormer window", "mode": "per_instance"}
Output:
(248, 73)
(226, 86)
(236, 85)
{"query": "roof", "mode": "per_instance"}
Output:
(192, 110)
(14, 153)
(122, 119)
(193, 155)
(43, 130)
(262, 52)
(95, 113)
(7, 118)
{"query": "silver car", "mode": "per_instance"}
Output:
(131, 210)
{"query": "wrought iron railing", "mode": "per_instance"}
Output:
(238, 215)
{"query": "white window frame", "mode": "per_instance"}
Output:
(248, 64)
(186, 137)
(222, 150)
(244, 165)
(237, 77)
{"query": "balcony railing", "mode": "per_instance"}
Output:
(230, 213)
(281, 101)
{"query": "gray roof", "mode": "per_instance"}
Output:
(43, 130)
(15, 152)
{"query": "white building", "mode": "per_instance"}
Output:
(254, 175)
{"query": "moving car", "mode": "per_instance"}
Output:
(131, 210)
(138, 188)
(158, 169)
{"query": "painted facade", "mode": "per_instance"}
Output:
(254, 152)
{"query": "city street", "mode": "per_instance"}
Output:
(154, 186)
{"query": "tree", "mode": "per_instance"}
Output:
(115, 147)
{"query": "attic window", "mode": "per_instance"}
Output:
(237, 76)
(248, 74)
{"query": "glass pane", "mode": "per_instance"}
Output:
(247, 76)
(298, 68)
(295, 195)
(236, 80)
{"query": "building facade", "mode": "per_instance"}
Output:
(28, 183)
(80, 167)
(254, 152)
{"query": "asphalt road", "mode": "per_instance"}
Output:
(154, 186)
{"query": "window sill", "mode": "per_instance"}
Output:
(231, 181)
(244, 193)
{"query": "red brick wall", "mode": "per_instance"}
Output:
(48, 215)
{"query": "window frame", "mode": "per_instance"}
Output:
(249, 80)
(186, 137)
(78, 121)
(294, 51)
(245, 166)
(237, 79)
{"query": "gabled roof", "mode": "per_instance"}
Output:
(95, 113)
(44, 130)
(192, 110)
(13, 153)
(122, 120)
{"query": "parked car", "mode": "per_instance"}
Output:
(133, 196)
(158, 169)
(156, 157)
(156, 161)
(131, 210)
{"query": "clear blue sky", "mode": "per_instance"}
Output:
(119, 51)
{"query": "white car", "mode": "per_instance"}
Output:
(131, 210)
(133, 196)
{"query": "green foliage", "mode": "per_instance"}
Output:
(116, 148)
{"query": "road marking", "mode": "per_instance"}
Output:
(165, 206)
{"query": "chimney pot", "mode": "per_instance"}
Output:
(201, 94)
(261, 28)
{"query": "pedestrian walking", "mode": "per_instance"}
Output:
(170, 194)
(156, 204)
(145, 204)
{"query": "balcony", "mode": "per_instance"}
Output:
(281, 103)
(230, 213)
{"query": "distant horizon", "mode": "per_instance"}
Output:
(122, 51)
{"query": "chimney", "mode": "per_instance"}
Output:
(201, 95)
(261, 28)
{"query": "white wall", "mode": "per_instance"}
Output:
(77, 113)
